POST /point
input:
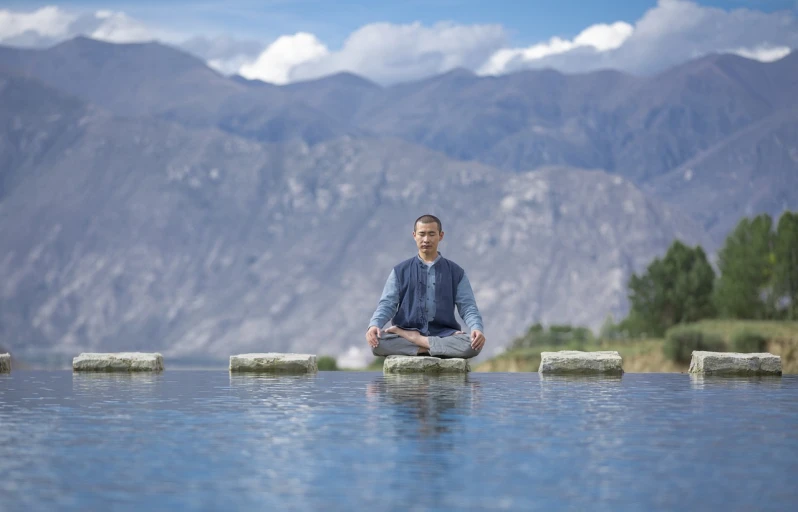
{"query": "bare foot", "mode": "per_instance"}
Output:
(413, 337)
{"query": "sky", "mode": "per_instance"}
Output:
(282, 41)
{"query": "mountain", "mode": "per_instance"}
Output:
(129, 79)
(672, 117)
(147, 202)
(753, 171)
(340, 95)
(518, 122)
(141, 234)
(152, 79)
(35, 124)
(637, 127)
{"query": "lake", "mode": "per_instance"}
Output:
(207, 440)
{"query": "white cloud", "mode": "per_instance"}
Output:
(47, 21)
(672, 32)
(50, 25)
(668, 34)
(601, 37)
(604, 37)
(278, 60)
(763, 53)
(224, 53)
(389, 53)
(383, 52)
(118, 27)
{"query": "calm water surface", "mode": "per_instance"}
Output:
(205, 440)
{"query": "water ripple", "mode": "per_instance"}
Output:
(205, 440)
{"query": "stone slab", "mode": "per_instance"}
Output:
(735, 363)
(274, 362)
(5, 363)
(118, 362)
(575, 362)
(424, 364)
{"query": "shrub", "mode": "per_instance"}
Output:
(682, 341)
(553, 336)
(327, 363)
(376, 365)
(749, 341)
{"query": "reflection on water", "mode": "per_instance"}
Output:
(580, 379)
(428, 404)
(97, 383)
(701, 381)
(209, 440)
(254, 382)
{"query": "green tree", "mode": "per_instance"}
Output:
(553, 336)
(785, 273)
(675, 289)
(327, 364)
(609, 329)
(683, 340)
(744, 288)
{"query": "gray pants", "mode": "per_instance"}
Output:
(456, 345)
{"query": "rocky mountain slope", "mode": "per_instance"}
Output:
(147, 202)
(141, 234)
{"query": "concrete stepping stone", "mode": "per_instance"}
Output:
(118, 362)
(424, 364)
(575, 362)
(735, 363)
(5, 363)
(274, 362)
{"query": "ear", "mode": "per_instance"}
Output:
(441, 235)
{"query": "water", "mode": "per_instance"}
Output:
(205, 440)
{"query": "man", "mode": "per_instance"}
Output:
(419, 297)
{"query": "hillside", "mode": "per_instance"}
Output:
(141, 234)
(646, 355)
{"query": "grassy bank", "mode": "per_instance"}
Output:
(646, 355)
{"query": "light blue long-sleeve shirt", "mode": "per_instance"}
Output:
(464, 300)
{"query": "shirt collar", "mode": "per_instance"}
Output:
(433, 263)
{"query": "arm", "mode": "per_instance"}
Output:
(467, 305)
(389, 303)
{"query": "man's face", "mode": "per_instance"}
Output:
(427, 237)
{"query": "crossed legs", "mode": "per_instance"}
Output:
(396, 341)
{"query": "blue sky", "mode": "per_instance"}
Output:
(333, 20)
(282, 41)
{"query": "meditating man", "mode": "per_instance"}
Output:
(419, 297)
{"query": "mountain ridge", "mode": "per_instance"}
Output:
(141, 234)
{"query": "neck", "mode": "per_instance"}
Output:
(428, 257)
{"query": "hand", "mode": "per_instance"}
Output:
(373, 336)
(477, 340)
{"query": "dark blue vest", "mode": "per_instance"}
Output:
(411, 276)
